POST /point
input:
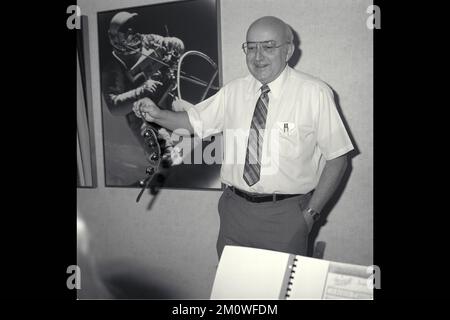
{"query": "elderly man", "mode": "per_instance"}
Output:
(275, 190)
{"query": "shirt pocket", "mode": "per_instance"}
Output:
(288, 138)
(293, 138)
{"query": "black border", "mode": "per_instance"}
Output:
(39, 214)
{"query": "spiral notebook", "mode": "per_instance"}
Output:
(249, 273)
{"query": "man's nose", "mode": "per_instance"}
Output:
(259, 53)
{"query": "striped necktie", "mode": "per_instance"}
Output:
(252, 166)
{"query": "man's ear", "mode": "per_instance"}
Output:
(290, 51)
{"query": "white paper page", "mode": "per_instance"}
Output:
(309, 278)
(248, 273)
(347, 281)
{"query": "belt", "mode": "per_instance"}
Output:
(260, 197)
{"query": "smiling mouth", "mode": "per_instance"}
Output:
(260, 66)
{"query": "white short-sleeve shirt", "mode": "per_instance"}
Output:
(303, 130)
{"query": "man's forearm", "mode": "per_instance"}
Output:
(329, 181)
(174, 120)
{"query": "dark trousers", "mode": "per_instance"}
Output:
(273, 225)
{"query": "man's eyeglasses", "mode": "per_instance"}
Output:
(266, 46)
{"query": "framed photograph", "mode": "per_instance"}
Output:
(86, 168)
(160, 52)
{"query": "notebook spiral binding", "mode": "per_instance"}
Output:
(291, 277)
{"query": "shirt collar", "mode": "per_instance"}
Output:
(275, 86)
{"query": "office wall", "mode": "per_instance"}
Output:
(168, 250)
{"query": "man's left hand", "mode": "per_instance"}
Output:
(308, 219)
